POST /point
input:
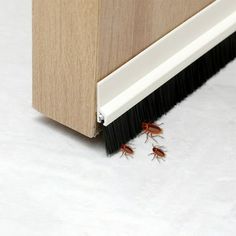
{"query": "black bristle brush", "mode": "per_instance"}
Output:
(128, 126)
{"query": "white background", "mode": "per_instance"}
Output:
(54, 181)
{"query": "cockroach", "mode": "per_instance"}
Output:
(126, 150)
(152, 130)
(158, 153)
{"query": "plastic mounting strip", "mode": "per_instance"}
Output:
(157, 64)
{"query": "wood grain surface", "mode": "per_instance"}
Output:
(76, 43)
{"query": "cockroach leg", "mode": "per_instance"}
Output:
(156, 158)
(152, 137)
(127, 156)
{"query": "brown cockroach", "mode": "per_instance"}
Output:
(152, 130)
(158, 153)
(126, 150)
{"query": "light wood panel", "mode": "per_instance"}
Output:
(78, 42)
(64, 61)
(129, 26)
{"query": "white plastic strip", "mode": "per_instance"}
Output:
(153, 67)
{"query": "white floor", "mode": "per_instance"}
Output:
(56, 182)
